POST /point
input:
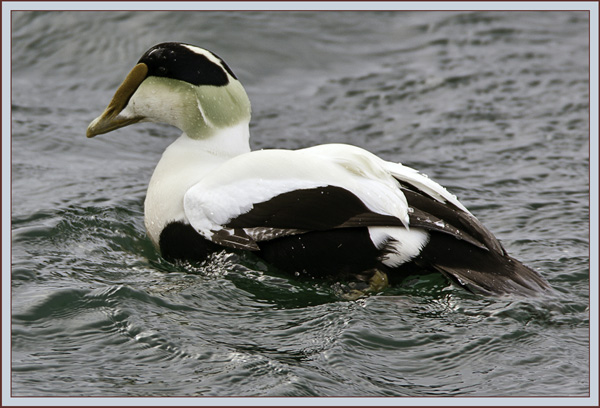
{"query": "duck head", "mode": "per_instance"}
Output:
(181, 85)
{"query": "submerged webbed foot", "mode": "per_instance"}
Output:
(367, 283)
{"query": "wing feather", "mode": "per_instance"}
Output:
(265, 195)
(291, 191)
(269, 194)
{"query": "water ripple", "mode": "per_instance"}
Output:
(494, 105)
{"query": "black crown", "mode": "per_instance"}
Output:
(175, 60)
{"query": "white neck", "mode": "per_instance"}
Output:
(228, 142)
(184, 163)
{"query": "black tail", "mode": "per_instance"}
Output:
(462, 249)
(479, 270)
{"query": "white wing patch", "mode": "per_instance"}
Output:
(207, 209)
(234, 187)
(399, 245)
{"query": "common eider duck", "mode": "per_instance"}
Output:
(328, 211)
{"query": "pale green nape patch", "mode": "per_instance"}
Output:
(223, 106)
(199, 111)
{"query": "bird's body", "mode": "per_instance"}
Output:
(331, 211)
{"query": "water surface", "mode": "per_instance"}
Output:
(493, 105)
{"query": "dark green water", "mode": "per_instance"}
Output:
(493, 105)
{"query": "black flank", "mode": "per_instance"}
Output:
(334, 254)
(180, 241)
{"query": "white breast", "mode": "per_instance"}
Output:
(182, 165)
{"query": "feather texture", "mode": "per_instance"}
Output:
(332, 210)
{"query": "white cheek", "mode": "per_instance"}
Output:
(129, 111)
(156, 102)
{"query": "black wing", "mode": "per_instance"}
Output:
(460, 247)
(476, 261)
